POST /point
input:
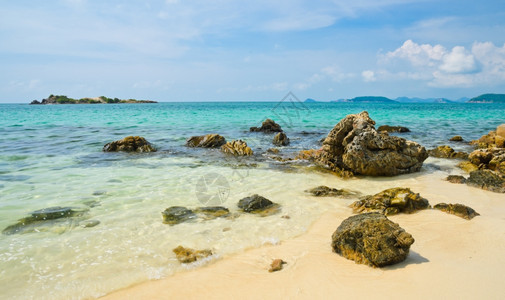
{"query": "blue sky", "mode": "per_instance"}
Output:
(224, 50)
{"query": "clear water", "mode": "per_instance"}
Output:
(51, 156)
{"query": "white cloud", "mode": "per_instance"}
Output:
(458, 61)
(368, 76)
(418, 55)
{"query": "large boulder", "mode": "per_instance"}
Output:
(457, 209)
(371, 239)
(354, 145)
(391, 201)
(487, 180)
(267, 126)
(280, 139)
(130, 144)
(206, 141)
(237, 147)
(388, 128)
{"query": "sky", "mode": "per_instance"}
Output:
(234, 50)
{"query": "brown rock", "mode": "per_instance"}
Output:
(388, 128)
(188, 255)
(391, 201)
(446, 152)
(456, 179)
(324, 191)
(459, 210)
(206, 141)
(354, 145)
(130, 144)
(456, 138)
(487, 180)
(267, 126)
(281, 139)
(276, 265)
(500, 130)
(467, 166)
(237, 147)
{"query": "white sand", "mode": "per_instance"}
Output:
(452, 258)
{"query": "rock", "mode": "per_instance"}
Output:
(491, 158)
(456, 138)
(237, 147)
(130, 144)
(467, 166)
(495, 138)
(446, 152)
(388, 128)
(456, 179)
(354, 145)
(391, 201)
(206, 141)
(89, 223)
(310, 155)
(500, 130)
(267, 126)
(324, 191)
(35, 102)
(47, 219)
(188, 255)
(479, 157)
(487, 180)
(212, 212)
(459, 210)
(257, 204)
(276, 265)
(371, 239)
(281, 139)
(273, 150)
(177, 214)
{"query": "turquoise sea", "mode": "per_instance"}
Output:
(51, 155)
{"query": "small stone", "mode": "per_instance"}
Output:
(281, 139)
(257, 204)
(388, 128)
(267, 126)
(459, 210)
(188, 255)
(177, 214)
(237, 148)
(276, 265)
(456, 179)
(324, 191)
(212, 212)
(130, 144)
(89, 223)
(456, 138)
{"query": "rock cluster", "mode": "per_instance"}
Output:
(130, 144)
(267, 126)
(354, 145)
(391, 201)
(237, 147)
(459, 210)
(446, 152)
(206, 141)
(371, 239)
(495, 138)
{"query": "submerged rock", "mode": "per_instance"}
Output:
(456, 179)
(371, 239)
(354, 145)
(267, 126)
(188, 255)
(237, 147)
(487, 180)
(130, 144)
(391, 201)
(276, 265)
(48, 219)
(257, 204)
(459, 210)
(177, 214)
(281, 139)
(388, 128)
(212, 212)
(206, 141)
(456, 138)
(446, 152)
(324, 191)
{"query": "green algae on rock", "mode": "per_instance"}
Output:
(391, 201)
(324, 191)
(457, 209)
(130, 144)
(177, 214)
(188, 255)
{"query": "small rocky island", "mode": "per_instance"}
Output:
(60, 99)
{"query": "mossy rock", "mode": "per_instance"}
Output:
(324, 191)
(459, 210)
(257, 204)
(456, 179)
(391, 201)
(212, 212)
(188, 255)
(487, 180)
(177, 214)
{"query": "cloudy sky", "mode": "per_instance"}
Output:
(231, 50)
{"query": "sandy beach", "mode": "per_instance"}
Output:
(451, 258)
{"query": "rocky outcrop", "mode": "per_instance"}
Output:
(371, 239)
(492, 159)
(268, 126)
(257, 204)
(495, 138)
(354, 145)
(456, 179)
(177, 214)
(281, 139)
(188, 255)
(456, 138)
(129, 144)
(206, 141)
(487, 180)
(324, 191)
(391, 201)
(459, 210)
(237, 147)
(388, 128)
(446, 152)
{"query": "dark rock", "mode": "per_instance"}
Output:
(391, 201)
(188, 255)
(354, 145)
(459, 210)
(177, 214)
(487, 180)
(267, 126)
(456, 138)
(130, 144)
(281, 139)
(206, 141)
(212, 212)
(258, 205)
(388, 128)
(237, 147)
(35, 102)
(276, 265)
(446, 152)
(456, 179)
(324, 191)
(273, 150)
(371, 239)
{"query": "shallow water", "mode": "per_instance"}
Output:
(51, 156)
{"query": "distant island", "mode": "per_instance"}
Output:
(485, 98)
(60, 99)
(488, 98)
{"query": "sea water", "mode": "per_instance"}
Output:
(51, 155)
